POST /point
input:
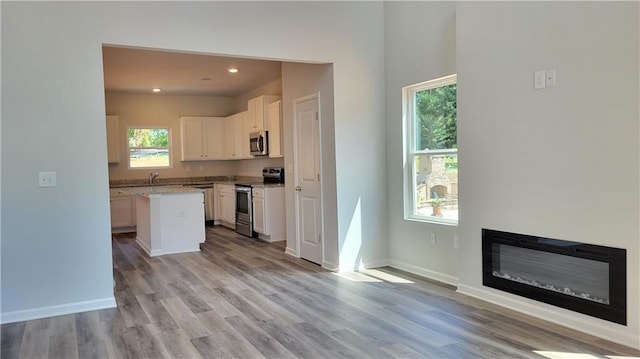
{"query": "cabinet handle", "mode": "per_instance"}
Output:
(298, 188)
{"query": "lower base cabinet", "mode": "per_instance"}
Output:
(225, 205)
(170, 222)
(269, 213)
(123, 212)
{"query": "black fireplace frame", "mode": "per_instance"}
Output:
(615, 311)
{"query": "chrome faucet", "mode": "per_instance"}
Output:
(152, 177)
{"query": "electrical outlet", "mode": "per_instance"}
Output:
(456, 242)
(550, 78)
(432, 238)
(47, 179)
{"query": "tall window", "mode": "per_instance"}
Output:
(431, 143)
(149, 147)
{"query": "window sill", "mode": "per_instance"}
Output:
(432, 220)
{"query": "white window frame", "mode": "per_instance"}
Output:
(168, 148)
(409, 138)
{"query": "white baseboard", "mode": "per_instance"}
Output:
(330, 266)
(423, 272)
(290, 251)
(610, 331)
(52, 311)
(375, 264)
(268, 238)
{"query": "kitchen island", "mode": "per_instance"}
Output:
(170, 219)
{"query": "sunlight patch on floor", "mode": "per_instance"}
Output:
(385, 276)
(566, 355)
(357, 277)
(372, 275)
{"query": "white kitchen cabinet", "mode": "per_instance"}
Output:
(170, 221)
(234, 138)
(209, 204)
(217, 213)
(258, 211)
(202, 138)
(113, 153)
(244, 149)
(274, 126)
(123, 212)
(225, 205)
(269, 213)
(256, 112)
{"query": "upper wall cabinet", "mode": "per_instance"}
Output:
(113, 154)
(274, 126)
(202, 138)
(257, 109)
(236, 139)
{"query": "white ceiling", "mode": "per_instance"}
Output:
(137, 70)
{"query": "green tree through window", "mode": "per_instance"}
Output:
(431, 176)
(148, 147)
(436, 113)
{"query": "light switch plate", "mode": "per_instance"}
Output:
(539, 79)
(46, 179)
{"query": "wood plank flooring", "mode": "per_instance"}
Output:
(242, 298)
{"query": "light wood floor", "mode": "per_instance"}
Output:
(241, 298)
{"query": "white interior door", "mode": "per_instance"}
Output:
(308, 190)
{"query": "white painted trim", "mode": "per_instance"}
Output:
(292, 252)
(296, 173)
(424, 272)
(159, 252)
(330, 266)
(375, 263)
(580, 322)
(52, 311)
(150, 253)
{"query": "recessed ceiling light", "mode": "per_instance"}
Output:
(233, 70)
(157, 89)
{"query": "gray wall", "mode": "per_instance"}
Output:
(53, 116)
(301, 80)
(420, 40)
(560, 162)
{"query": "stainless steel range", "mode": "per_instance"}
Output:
(244, 210)
(244, 199)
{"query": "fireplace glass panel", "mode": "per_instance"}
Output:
(584, 278)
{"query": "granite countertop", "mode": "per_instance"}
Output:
(178, 181)
(188, 182)
(250, 183)
(159, 190)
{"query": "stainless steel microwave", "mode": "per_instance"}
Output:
(259, 143)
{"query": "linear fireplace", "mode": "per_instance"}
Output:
(585, 278)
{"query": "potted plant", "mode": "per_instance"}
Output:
(436, 204)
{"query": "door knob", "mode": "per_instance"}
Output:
(298, 188)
